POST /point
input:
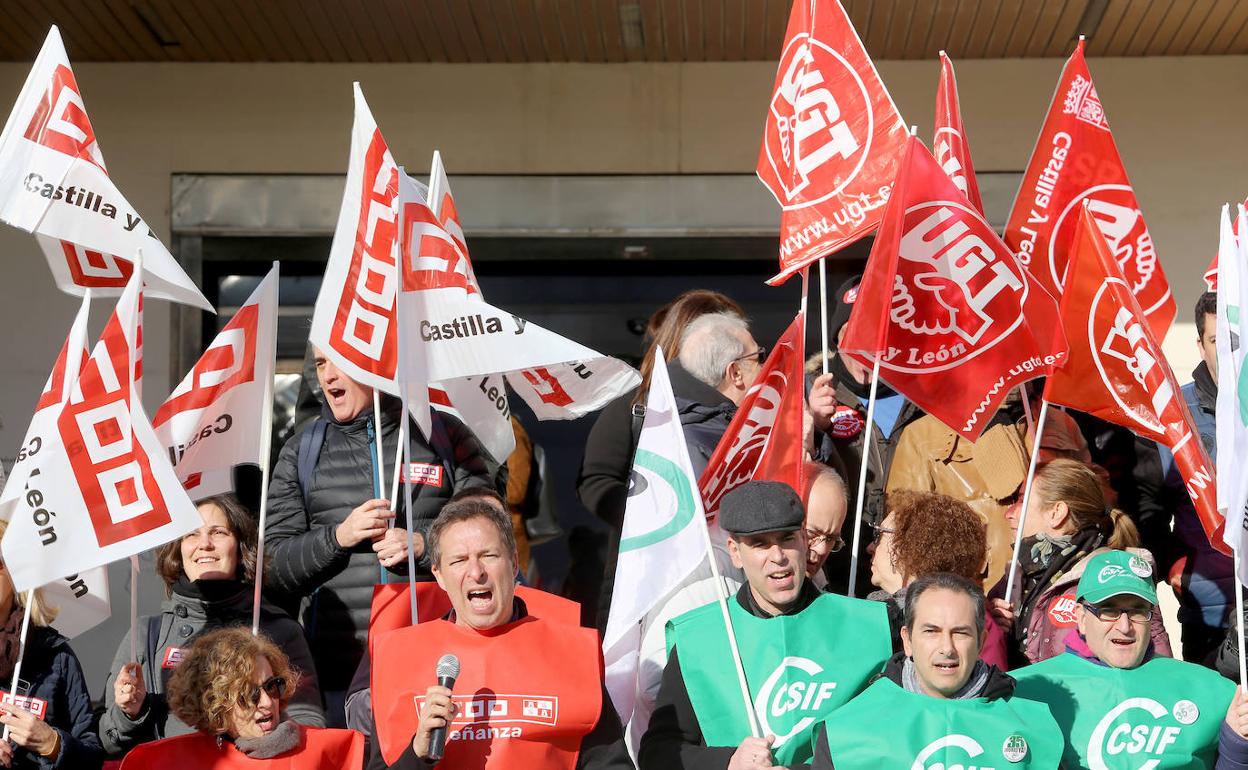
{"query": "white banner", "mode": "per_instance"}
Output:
(354, 322)
(53, 183)
(1232, 405)
(100, 487)
(214, 419)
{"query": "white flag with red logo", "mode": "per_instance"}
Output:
(764, 439)
(53, 183)
(1116, 370)
(101, 487)
(81, 600)
(949, 142)
(1076, 160)
(832, 138)
(955, 319)
(461, 336)
(481, 404)
(214, 419)
(354, 322)
(1211, 274)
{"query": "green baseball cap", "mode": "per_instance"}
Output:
(1114, 573)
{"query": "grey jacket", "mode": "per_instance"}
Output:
(193, 609)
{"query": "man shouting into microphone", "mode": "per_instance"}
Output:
(529, 691)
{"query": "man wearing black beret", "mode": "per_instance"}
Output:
(803, 653)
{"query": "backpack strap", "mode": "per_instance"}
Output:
(639, 417)
(309, 451)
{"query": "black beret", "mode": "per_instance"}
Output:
(761, 506)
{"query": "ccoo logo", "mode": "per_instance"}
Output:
(810, 143)
(955, 294)
(780, 697)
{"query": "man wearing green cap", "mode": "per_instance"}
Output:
(1118, 704)
(804, 653)
(937, 704)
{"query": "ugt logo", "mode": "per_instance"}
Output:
(944, 145)
(952, 289)
(363, 328)
(60, 120)
(747, 448)
(1122, 355)
(1119, 219)
(809, 143)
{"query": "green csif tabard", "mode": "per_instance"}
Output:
(799, 667)
(887, 726)
(1163, 714)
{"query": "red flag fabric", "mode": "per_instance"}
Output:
(1076, 160)
(831, 140)
(764, 439)
(1116, 370)
(956, 320)
(949, 142)
(1211, 275)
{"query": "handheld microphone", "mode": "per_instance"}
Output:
(447, 672)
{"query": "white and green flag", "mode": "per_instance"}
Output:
(662, 552)
(1232, 378)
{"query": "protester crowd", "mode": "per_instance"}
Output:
(1073, 668)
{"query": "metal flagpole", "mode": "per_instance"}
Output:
(862, 475)
(266, 450)
(134, 394)
(1239, 624)
(378, 471)
(1022, 515)
(21, 651)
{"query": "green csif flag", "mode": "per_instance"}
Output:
(1162, 714)
(887, 726)
(799, 667)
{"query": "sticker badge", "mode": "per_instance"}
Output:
(1015, 748)
(1185, 712)
(429, 474)
(1140, 567)
(36, 706)
(173, 657)
(1062, 610)
(846, 422)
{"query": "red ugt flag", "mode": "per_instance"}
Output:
(956, 320)
(949, 143)
(831, 140)
(1116, 370)
(764, 439)
(1076, 160)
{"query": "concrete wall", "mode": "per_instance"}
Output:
(1178, 121)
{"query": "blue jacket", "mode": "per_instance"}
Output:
(55, 675)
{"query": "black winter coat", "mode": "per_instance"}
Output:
(55, 675)
(305, 559)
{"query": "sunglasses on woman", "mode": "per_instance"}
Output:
(274, 687)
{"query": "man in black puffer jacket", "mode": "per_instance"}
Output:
(327, 532)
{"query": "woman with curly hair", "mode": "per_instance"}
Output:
(209, 576)
(1068, 522)
(231, 689)
(925, 533)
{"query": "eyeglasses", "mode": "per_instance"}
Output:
(878, 531)
(1112, 614)
(274, 687)
(817, 539)
(759, 355)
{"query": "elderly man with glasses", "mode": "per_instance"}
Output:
(1122, 706)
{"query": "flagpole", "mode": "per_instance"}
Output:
(1027, 484)
(378, 470)
(862, 474)
(266, 449)
(823, 309)
(1239, 625)
(21, 651)
(755, 728)
(407, 499)
(1031, 421)
(134, 608)
(134, 394)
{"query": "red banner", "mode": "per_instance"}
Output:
(764, 439)
(1116, 370)
(956, 320)
(949, 143)
(831, 140)
(1076, 160)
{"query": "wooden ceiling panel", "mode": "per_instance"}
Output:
(600, 31)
